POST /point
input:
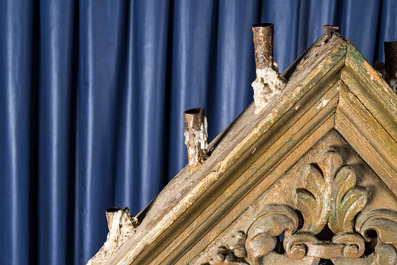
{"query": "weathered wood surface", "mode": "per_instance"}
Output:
(331, 88)
(340, 198)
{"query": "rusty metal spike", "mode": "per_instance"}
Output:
(391, 59)
(330, 29)
(263, 44)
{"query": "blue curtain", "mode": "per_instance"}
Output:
(92, 95)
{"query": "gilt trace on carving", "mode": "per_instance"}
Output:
(326, 224)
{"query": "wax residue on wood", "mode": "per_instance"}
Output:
(267, 84)
(122, 228)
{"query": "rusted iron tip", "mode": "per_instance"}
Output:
(263, 25)
(328, 27)
(113, 209)
(330, 30)
(391, 63)
(390, 48)
(263, 34)
(194, 111)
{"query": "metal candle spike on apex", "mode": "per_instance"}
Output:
(330, 29)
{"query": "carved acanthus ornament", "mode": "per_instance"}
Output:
(326, 224)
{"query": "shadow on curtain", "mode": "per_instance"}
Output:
(92, 95)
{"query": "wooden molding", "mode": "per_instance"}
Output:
(334, 100)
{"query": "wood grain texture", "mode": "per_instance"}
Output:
(331, 90)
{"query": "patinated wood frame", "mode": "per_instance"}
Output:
(331, 87)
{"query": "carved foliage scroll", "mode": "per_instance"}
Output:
(330, 196)
(325, 223)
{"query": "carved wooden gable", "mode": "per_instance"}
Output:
(311, 178)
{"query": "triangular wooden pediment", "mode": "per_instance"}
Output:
(324, 208)
(334, 102)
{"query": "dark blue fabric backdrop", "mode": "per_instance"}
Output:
(92, 94)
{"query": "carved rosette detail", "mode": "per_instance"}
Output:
(329, 203)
